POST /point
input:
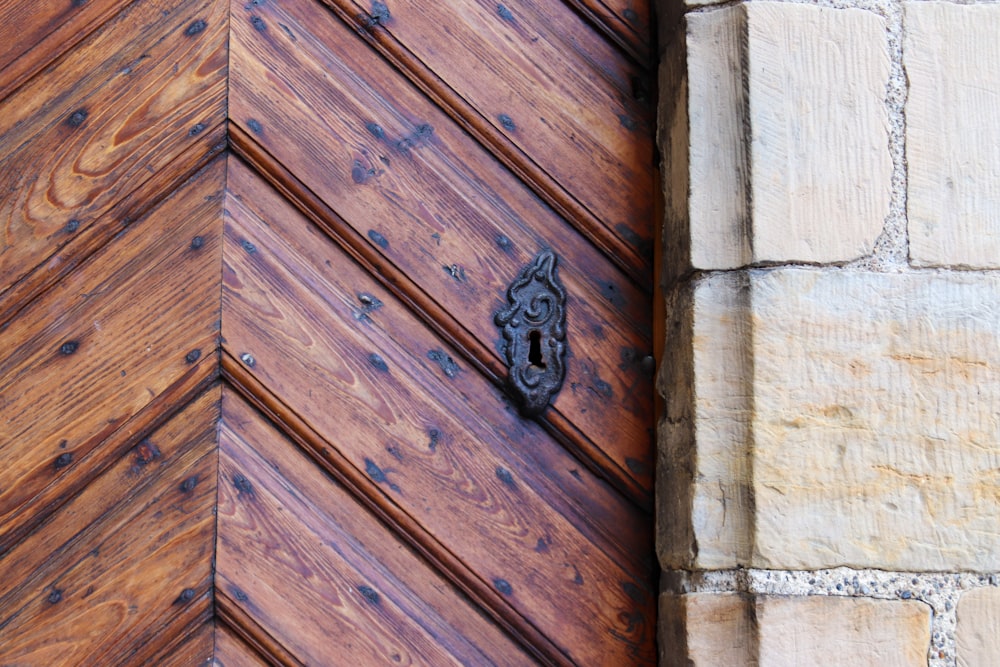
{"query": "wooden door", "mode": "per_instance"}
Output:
(253, 399)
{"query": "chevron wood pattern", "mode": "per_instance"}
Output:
(252, 403)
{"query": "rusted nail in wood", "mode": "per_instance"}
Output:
(145, 453)
(197, 129)
(55, 595)
(187, 486)
(503, 586)
(378, 475)
(63, 444)
(603, 388)
(78, 3)
(578, 578)
(455, 271)
(380, 13)
(69, 347)
(435, 436)
(505, 13)
(376, 130)
(507, 122)
(541, 546)
(378, 362)
(369, 304)
(249, 247)
(360, 173)
(243, 485)
(628, 123)
(636, 466)
(248, 359)
(197, 242)
(192, 356)
(253, 3)
(505, 243)
(423, 131)
(630, 16)
(186, 596)
(504, 476)
(238, 593)
(369, 594)
(395, 452)
(442, 359)
(254, 126)
(611, 293)
(378, 239)
(72, 226)
(258, 23)
(648, 366)
(195, 28)
(63, 460)
(76, 118)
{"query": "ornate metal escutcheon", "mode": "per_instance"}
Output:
(534, 334)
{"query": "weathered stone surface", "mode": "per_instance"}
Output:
(788, 157)
(977, 635)
(838, 631)
(952, 59)
(703, 491)
(876, 425)
(705, 630)
(862, 409)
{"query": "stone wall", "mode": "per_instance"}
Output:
(829, 461)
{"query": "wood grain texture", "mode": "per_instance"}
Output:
(232, 651)
(559, 106)
(33, 35)
(122, 106)
(326, 579)
(629, 23)
(126, 566)
(137, 320)
(304, 317)
(446, 215)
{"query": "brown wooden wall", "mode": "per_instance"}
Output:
(252, 396)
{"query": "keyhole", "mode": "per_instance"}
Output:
(535, 349)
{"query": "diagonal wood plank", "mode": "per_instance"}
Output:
(515, 516)
(125, 569)
(428, 199)
(138, 321)
(320, 575)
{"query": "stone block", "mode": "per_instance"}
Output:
(842, 631)
(706, 630)
(952, 59)
(788, 134)
(820, 418)
(977, 633)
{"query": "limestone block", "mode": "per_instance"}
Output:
(842, 631)
(876, 419)
(818, 418)
(788, 157)
(703, 488)
(977, 635)
(952, 59)
(705, 630)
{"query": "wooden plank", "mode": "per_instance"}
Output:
(99, 123)
(544, 92)
(33, 35)
(232, 651)
(321, 574)
(197, 648)
(126, 565)
(138, 320)
(435, 438)
(447, 216)
(629, 23)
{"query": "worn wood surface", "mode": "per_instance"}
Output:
(123, 562)
(447, 215)
(305, 316)
(252, 406)
(325, 581)
(91, 353)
